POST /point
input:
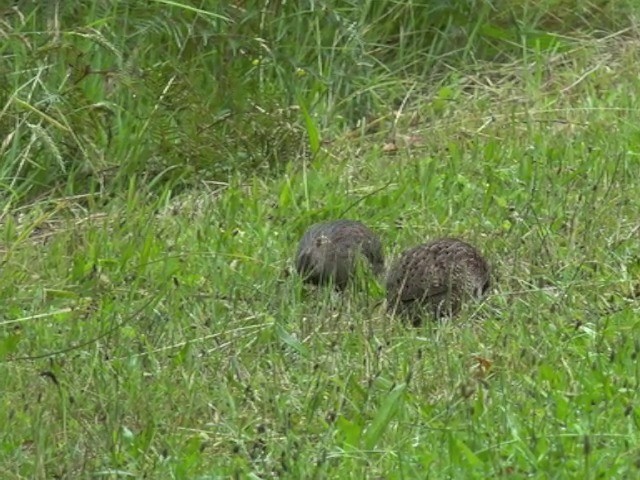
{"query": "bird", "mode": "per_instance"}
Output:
(435, 278)
(328, 252)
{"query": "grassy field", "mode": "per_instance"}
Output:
(159, 163)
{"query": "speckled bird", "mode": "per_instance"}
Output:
(328, 252)
(435, 278)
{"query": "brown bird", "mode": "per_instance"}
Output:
(435, 278)
(328, 252)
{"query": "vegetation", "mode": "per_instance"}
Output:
(159, 161)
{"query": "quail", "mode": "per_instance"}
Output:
(436, 278)
(328, 252)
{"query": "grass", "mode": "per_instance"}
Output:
(150, 321)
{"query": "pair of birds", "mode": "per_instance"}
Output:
(433, 278)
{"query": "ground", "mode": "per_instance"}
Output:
(152, 325)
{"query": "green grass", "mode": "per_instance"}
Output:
(151, 323)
